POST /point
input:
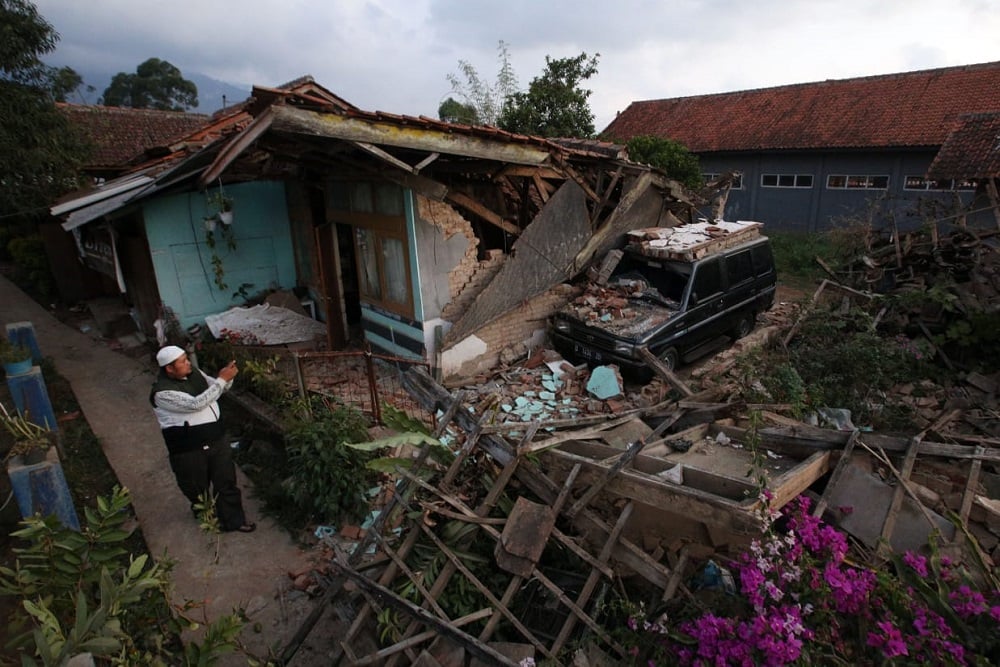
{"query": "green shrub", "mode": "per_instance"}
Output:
(326, 479)
(82, 591)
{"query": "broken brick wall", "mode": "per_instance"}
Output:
(507, 338)
(447, 251)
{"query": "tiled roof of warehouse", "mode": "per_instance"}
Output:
(120, 134)
(972, 150)
(907, 109)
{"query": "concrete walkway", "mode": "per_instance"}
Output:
(251, 570)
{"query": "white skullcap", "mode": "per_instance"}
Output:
(168, 355)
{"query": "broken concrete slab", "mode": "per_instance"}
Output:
(869, 499)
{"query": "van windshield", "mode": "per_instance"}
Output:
(666, 278)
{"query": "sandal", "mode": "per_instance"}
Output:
(247, 527)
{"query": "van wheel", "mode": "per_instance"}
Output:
(744, 325)
(669, 358)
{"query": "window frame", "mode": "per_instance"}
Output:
(954, 184)
(383, 228)
(798, 181)
(861, 181)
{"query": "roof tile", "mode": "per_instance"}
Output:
(120, 134)
(907, 109)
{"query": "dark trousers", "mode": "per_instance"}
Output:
(211, 469)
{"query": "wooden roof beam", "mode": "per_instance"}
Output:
(336, 126)
(385, 156)
(465, 201)
(235, 148)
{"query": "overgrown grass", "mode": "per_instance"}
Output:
(795, 256)
(838, 360)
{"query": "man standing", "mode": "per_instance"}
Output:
(185, 401)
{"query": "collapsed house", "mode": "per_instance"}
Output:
(547, 513)
(445, 244)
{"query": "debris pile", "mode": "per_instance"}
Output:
(561, 489)
(547, 388)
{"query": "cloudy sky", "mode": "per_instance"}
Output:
(395, 55)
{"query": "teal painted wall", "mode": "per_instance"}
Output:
(182, 259)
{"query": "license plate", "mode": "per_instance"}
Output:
(585, 352)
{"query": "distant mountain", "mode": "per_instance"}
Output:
(212, 93)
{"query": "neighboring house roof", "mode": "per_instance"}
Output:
(972, 150)
(120, 134)
(910, 109)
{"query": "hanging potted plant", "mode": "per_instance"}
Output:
(223, 205)
(15, 357)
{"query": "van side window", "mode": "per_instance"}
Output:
(763, 262)
(739, 267)
(707, 279)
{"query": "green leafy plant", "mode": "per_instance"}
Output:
(327, 479)
(264, 380)
(82, 591)
(219, 201)
(219, 273)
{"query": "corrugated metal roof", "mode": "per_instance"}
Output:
(911, 109)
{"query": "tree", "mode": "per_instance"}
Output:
(486, 100)
(667, 155)
(63, 82)
(453, 111)
(555, 105)
(156, 84)
(40, 152)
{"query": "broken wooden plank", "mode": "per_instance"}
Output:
(663, 371)
(515, 583)
(838, 472)
(791, 483)
(485, 591)
(415, 640)
(592, 579)
(430, 394)
(623, 460)
(591, 433)
(444, 576)
(465, 201)
(616, 467)
(802, 316)
(970, 487)
(422, 616)
(802, 442)
(675, 580)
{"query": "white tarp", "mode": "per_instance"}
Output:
(265, 325)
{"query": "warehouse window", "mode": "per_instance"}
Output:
(786, 180)
(921, 183)
(856, 182)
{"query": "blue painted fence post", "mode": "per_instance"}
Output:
(24, 333)
(40, 488)
(31, 398)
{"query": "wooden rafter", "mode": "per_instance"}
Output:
(467, 202)
(575, 176)
(384, 156)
